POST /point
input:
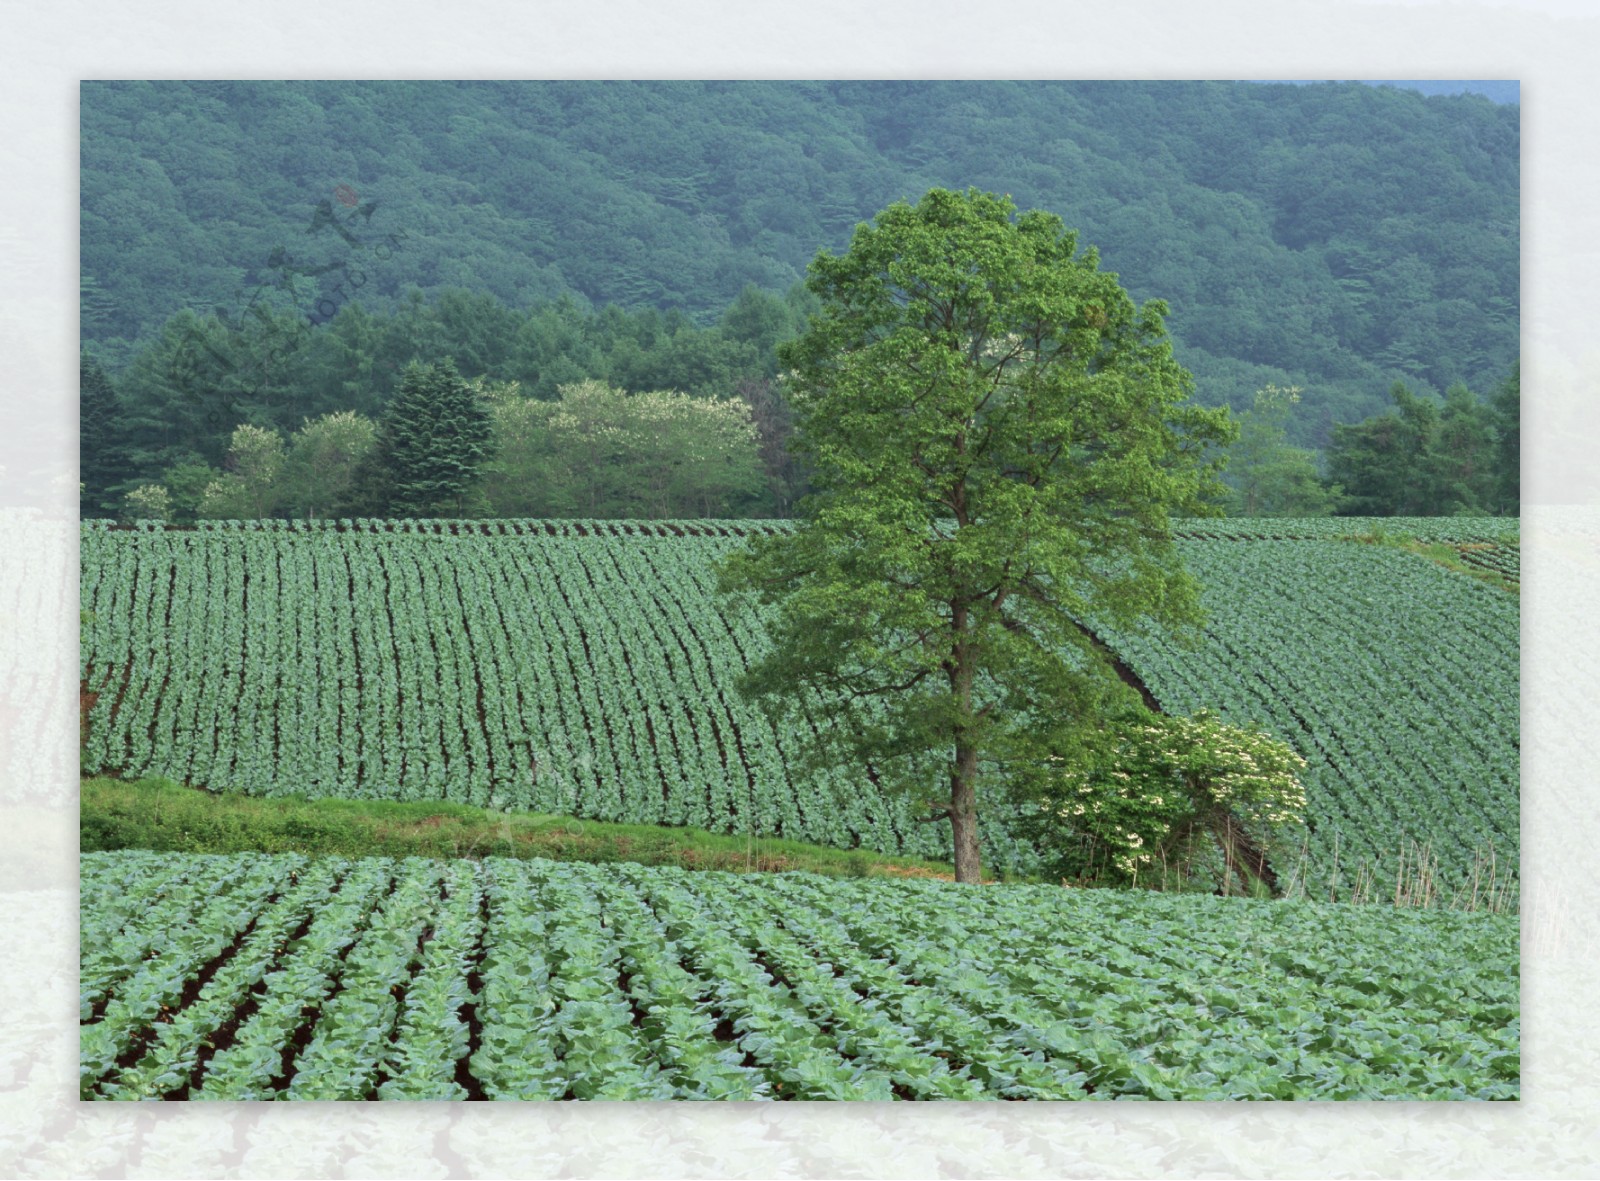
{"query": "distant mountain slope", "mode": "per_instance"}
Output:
(1338, 236)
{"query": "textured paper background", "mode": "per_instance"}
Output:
(45, 1132)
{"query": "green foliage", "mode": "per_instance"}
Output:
(160, 815)
(997, 435)
(578, 667)
(1428, 459)
(1377, 461)
(202, 377)
(1508, 445)
(323, 457)
(504, 979)
(588, 668)
(1395, 678)
(1266, 476)
(1334, 236)
(250, 487)
(600, 452)
(433, 440)
(148, 502)
(187, 482)
(1151, 788)
(103, 461)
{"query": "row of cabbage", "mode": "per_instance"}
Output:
(260, 977)
(565, 671)
(1450, 530)
(449, 526)
(1397, 679)
(1465, 530)
(1504, 559)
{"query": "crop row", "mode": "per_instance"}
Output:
(256, 976)
(1451, 530)
(1504, 559)
(1465, 530)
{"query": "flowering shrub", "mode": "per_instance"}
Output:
(1145, 792)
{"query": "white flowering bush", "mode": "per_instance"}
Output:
(1142, 798)
(148, 502)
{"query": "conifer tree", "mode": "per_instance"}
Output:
(434, 441)
(1508, 443)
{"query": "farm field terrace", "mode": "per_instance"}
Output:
(586, 668)
(277, 976)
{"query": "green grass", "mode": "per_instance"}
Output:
(164, 816)
(1444, 554)
(1449, 556)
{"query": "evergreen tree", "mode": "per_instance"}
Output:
(1463, 459)
(1423, 459)
(102, 452)
(434, 441)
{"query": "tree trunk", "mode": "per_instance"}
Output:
(964, 773)
(1223, 831)
(964, 815)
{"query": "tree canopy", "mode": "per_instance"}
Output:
(102, 462)
(1268, 477)
(997, 435)
(1426, 458)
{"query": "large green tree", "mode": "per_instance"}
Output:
(1428, 459)
(1463, 465)
(998, 436)
(1385, 463)
(322, 460)
(433, 442)
(597, 451)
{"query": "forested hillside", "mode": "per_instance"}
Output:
(1337, 237)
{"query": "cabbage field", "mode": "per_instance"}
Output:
(254, 976)
(586, 668)
(1396, 678)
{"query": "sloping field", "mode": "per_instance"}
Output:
(579, 668)
(1396, 678)
(586, 668)
(253, 976)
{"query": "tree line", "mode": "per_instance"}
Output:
(1422, 458)
(447, 447)
(603, 413)
(619, 414)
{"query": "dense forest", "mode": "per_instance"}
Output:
(264, 254)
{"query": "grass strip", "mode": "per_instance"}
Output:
(159, 815)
